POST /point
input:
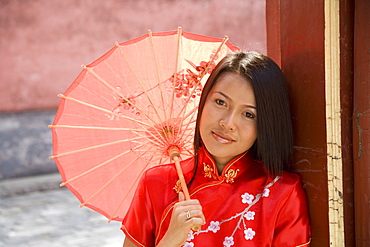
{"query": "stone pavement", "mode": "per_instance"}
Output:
(36, 212)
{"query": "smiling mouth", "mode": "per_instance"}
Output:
(222, 139)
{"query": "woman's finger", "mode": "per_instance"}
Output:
(192, 214)
(181, 196)
(187, 205)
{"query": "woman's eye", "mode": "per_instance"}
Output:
(220, 102)
(249, 115)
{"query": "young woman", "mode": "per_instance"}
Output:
(241, 193)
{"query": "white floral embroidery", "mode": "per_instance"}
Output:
(188, 244)
(229, 241)
(249, 234)
(266, 193)
(247, 198)
(214, 226)
(250, 215)
(242, 216)
(190, 236)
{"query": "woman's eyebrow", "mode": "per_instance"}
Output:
(227, 97)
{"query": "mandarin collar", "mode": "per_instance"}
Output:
(231, 171)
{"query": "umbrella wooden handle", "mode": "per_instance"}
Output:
(183, 184)
(181, 177)
(174, 154)
(176, 158)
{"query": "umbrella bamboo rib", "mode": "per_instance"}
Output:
(109, 182)
(141, 85)
(119, 93)
(88, 69)
(187, 138)
(190, 153)
(154, 153)
(145, 92)
(203, 74)
(183, 109)
(130, 189)
(95, 128)
(156, 68)
(105, 110)
(191, 113)
(136, 131)
(149, 98)
(186, 149)
(94, 147)
(161, 141)
(179, 36)
(99, 166)
(186, 126)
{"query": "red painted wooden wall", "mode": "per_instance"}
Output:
(295, 39)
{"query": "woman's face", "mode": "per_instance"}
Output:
(228, 124)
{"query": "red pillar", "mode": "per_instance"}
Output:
(296, 41)
(346, 95)
(361, 122)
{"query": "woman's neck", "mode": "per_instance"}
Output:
(221, 163)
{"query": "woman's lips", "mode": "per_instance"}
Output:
(222, 138)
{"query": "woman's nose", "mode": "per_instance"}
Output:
(228, 122)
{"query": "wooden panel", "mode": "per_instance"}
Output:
(300, 28)
(295, 40)
(346, 77)
(361, 122)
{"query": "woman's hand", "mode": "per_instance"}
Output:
(185, 215)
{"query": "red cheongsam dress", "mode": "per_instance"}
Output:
(244, 206)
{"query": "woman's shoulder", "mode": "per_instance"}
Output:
(290, 183)
(290, 178)
(286, 182)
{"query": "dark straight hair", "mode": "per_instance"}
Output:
(274, 144)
